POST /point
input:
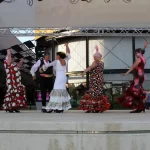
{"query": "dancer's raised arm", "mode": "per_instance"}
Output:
(139, 56)
(67, 48)
(67, 52)
(97, 57)
(145, 45)
(9, 58)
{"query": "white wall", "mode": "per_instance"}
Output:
(120, 47)
(60, 13)
(123, 50)
(78, 55)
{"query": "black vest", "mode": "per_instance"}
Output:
(49, 70)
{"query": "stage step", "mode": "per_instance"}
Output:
(75, 130)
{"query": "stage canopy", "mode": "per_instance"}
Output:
(61, 13)
(19, 50)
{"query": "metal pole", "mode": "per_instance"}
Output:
(133, 48)
(53, 49)
(87, 61)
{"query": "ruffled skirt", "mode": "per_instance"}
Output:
(59, 100)
(89, 103)
(15, 98)
(133, 97)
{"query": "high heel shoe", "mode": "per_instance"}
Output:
(134, 111)
(138, 111)
(59, 111)
(88, 111)
(43, 110)
(96, 111)
(10, 111)
(17, 111)
(141, 110)
(50, 111)
(102, 110)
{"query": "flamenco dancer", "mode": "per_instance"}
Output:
(135, 95)
(93, 101)
(59, 97)
(15, 97)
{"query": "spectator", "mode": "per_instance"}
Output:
(147, 100)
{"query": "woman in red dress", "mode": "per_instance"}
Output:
(15, 97)
(93, 101)
(135, 95)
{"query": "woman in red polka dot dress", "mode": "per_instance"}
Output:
(15, 97)
(94, 101)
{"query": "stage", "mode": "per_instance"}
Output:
(75, 130)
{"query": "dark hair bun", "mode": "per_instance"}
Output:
(61, 55)
(142, 51)
(139, 50)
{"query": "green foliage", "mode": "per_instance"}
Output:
(74, 103)
(114, 104)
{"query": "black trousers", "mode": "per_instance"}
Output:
(46, 84)
(2, 94)
(147, 104)
(30, 93)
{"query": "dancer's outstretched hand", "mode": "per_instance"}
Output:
(96, 47)
(8, 51)
(44, 67)
(66, 44)
(123, 74)
(21, 59)
(146, 44)
(40, 70)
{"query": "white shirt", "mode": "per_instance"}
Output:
(53, 63)
(36, 66)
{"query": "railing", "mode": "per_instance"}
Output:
(77, 89)
(112, 89)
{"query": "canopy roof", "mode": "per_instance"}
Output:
(19, 50)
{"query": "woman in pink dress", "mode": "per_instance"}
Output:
(15, 97)
(135, 95)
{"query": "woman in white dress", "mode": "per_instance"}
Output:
(59, 97)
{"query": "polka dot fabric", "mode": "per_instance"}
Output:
(93, 100)
(15, 97)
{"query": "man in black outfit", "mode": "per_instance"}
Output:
(45, 77)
